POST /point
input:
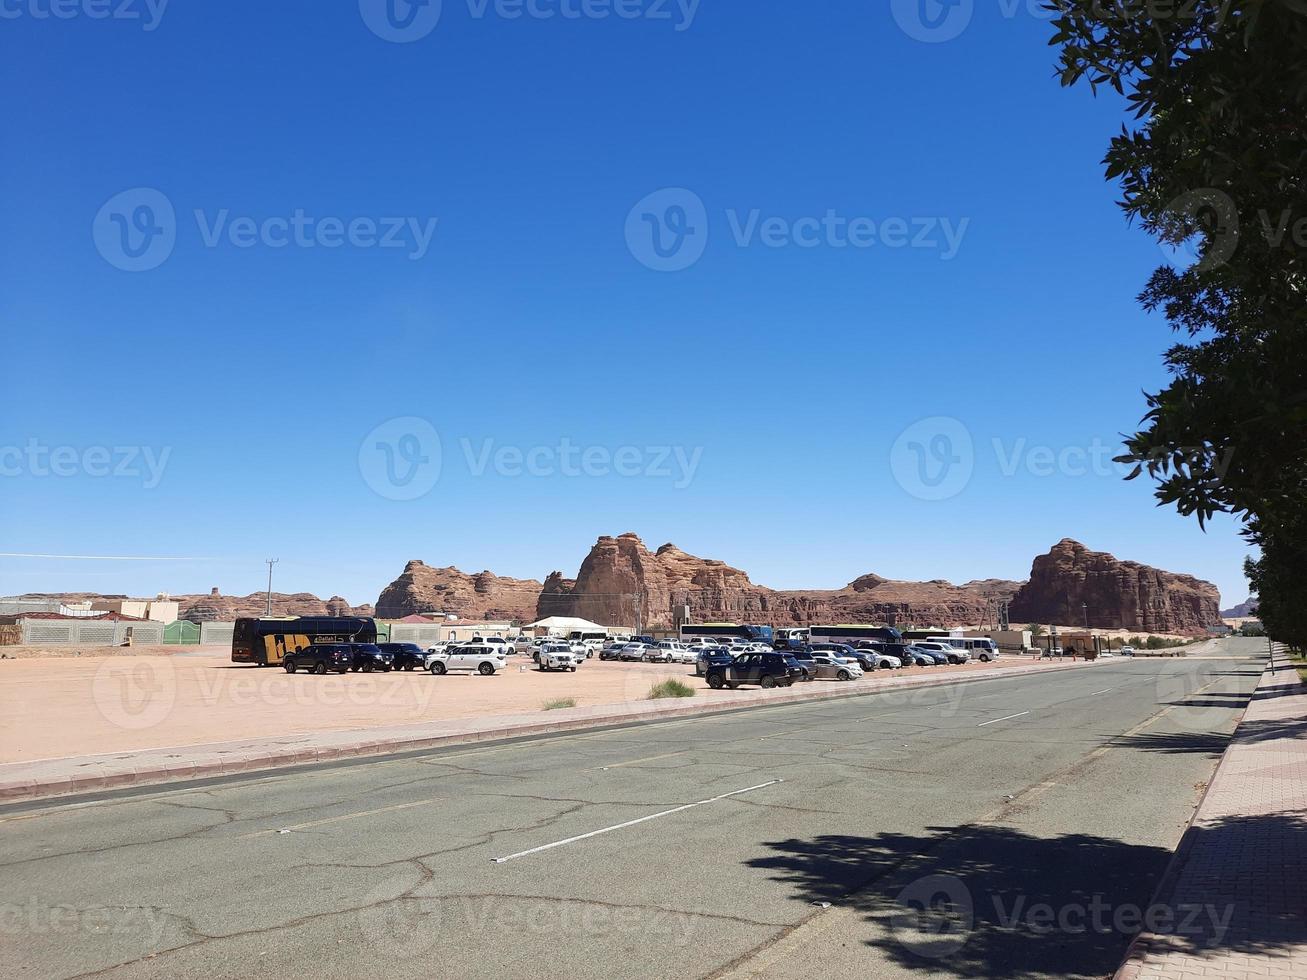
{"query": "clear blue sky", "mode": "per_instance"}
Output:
(785, 363)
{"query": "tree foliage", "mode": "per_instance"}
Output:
(1215, 158)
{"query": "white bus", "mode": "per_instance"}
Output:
(981, 648)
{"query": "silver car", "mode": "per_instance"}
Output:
(831, 668)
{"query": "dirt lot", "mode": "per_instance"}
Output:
(55, 707)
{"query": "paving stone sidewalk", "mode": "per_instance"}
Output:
(1240, 873)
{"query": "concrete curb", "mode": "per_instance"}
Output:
(85, 774)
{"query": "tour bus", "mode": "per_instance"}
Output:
(726, 632)
(587, 636)
(852, 634)
(266, 641)
(791, 639)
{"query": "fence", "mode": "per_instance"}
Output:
(181, 631)
(60, 632)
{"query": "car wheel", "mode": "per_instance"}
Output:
(733, 685)
(319, 668)
(437, 669)
(486, 669)
(844, 675)
(715, 681)
(367, 668)
(767, 680)
(574, 670)
(342, 670)
(290, 666)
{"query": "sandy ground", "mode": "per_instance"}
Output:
(65, 706)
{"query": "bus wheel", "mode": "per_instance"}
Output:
(290, 666)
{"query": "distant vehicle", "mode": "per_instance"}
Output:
(1127, 651)
(980, 647)
(405, 656)
(644, 639)
(936, 657)
(830, 667)
(557, 656)
(868, 660)
(320, 658)
(710, 656)
(920, 658)
(804, 657)
(266, 641)
(851, 634)
(369, 657)
(748, 633)
(764, 669)
(498, 642)
(611, 651)
(790, 639)
(587, 637)
(669, 652)
(481, 657)
(633, 651)
(952, 653)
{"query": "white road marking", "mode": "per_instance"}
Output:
(1103, 691)
(632, 823)
(635, 762)
(1004, 718)
(347, 816)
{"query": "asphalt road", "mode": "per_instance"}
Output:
(812, 828)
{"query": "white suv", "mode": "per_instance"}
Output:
(557, 656)
(670, 652)
(481, 657)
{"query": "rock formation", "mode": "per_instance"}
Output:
(1120, 594)
(218, 608)
(622, 583)
(1241, 611)
(421, 588)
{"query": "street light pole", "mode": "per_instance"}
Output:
(270, 562)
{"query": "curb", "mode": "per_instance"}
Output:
(88, 774)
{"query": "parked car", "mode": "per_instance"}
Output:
(953, 654)
(611, 651)
(557, 656)
(481, 657)
(710, 656)
(405, 656)
(1127, 651)
(369, 657)
(868, 660)
(666, 652)
(633, 651)
(522, 643)
(320, 658)
(920, 658)
(804, 657)
(829, 667)
(770, 669)
(937, 657)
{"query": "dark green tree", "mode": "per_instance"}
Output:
(1215, 158)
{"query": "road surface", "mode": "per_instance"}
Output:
(775, 842)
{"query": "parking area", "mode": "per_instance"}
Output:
(68, 706)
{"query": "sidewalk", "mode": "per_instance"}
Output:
(91, 773)
(1244, 856)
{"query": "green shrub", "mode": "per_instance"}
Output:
(671, 689)
(559, 703)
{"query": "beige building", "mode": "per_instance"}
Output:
(159, 610)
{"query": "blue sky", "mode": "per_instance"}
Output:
(409, 302)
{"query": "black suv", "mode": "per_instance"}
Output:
(763, 669)
(407, 656)
(369, 657)
(320, 658)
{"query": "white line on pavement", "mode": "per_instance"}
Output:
(1103, 691)
(345, 816)
(632, 823)
(1004, 718)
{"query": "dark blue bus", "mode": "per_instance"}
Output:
(749, 633)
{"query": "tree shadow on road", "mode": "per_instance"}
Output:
(984, 901)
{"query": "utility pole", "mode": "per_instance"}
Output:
(270, 562)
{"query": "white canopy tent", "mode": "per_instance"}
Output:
(566, 624)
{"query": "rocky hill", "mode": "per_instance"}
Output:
(421, 588)
(216, 607)
(622, 582)
(1122, 594)
(1241, 611)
